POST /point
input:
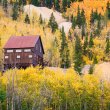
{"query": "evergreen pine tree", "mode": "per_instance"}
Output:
(107, 50)
(92, 18)
(98, 30)
(24, 2)
(91, 43)
(48, 3)
(78, 60)
(64, 52)
(91, 69)
(83, 18)
(27, 20)
(83, 31)
(108, 4)
(0, 55)
(0, 1)
(71, 18)
(85, 45)
(52, 23)
(15, 11)
(57, 6)
(5, 5)
(78, 19)
(70, 35)
(73, 23)
(68, 3)
(40, 19)
(35, 2)
(64, 5)
(95, 61)
(20, 2)
(96, 15)
(108, 10)
(83, 22)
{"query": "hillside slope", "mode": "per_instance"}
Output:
(104, 70)
(46, 13)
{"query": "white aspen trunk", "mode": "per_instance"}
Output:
(13, 91)
(66, 104)
(0, 105)
(7, 96)
(102, 99)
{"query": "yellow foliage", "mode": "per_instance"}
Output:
(35, 83)
(88, 5)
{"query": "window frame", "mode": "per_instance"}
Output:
(18, 50)
(30, 56)
(6, 57)
(9, 51)
(18, 56)
(27, 50)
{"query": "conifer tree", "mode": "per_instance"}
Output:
(24, 2)
(83, 31)
(91, 43)
(57, 6)
(64, 51)
(95, 61)
(91, 69)
(0, 1)
(83, 22)
(73, 23)
(40, 19)
(20, 2)
(78, 19)
(92, 18)
(107, 50)
(20, 5)
(71, 18)
(15, 11)
(27, 20)
(78, 60)
(70, 35)
(83, 18)
(48, 3)
(108, 10)
(64, 5)
(85, 45)
(68, 3)
(98, 30)
(5, 5)
(96, 15)
(35, 2)
(1, 63)
(52, 23)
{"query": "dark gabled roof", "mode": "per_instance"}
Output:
(17, 42)
(21, 42)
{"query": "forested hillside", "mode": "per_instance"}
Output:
(86, 43)
(83, 49)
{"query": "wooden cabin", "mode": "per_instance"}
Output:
(23, 51)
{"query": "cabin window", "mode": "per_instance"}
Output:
(27, 50)
(18, 56)
(30, 56)
(18, 50)
(9, 51)
(6, 57)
